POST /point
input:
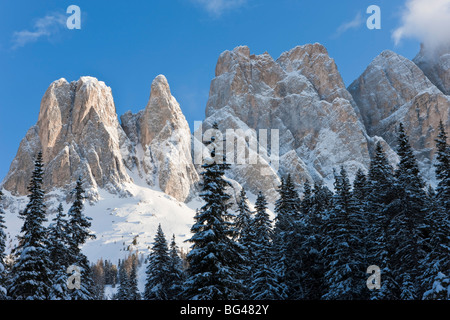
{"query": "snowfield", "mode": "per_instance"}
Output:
(117, 221)
(122, 225)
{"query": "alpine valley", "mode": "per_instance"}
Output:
(138, 169)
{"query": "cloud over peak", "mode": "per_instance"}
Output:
(427, 21)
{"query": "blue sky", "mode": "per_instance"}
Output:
(127, 44)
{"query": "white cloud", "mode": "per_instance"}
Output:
(353, 24)
(42, 27)
(218, 7)
(427, 21)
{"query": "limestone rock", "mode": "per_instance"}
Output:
(299, 100)
(162, 140)
(302, 96)
(313, 61)
(393, 89)
(79, 135)
(436, 66)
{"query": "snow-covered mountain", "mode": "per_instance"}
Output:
(394, 89)
(79, 134)
(436, 66)
(141, 171)
(137, 173)
(302, 95)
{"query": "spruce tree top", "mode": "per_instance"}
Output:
(443, 154)
(34, 214)
(79, 223)
(2, 234)
(408, 169)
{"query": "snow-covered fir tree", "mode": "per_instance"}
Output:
(176, 274)
(264, 284)
(30, 277)
(243, 220)
(157, 283)
(321, 201)
(440, 289)
(437, 222)
(133, 290)
(127, 279)
(442, 168)
(407, 217)
(312, 264)
(307, 200)
(59, 238)
(79, 225)
(345, 266)
(360, 188)
(378, 238)
(214, 256)
(124, 284)
(3, 292)
(245, 235)
(321, 204)
(436, 245)
(362, 219)
(288, 236)
(320, 207)
(98, 276)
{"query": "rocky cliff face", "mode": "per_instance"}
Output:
(161, 141)
(299, 100)
(79, 135)
(436, 66)
(301, 95)
(394, 89)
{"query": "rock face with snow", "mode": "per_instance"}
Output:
(301, 95)
(162, 142)
(318, 124)
(436, 66)
(394, 89)
(311, 122)
(79, 135)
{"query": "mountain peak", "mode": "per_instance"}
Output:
(59, 82)
(77, 126)
(314, 62)
(308, 48)
(303, 96)
(394, 89)
(163, 134)
(89, 80)
(436, 66)
(160, 81)
(161, 108)
(242, 50)
(388, 53)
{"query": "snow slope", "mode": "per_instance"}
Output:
(117, 221)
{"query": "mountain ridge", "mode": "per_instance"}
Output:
(322, 125)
